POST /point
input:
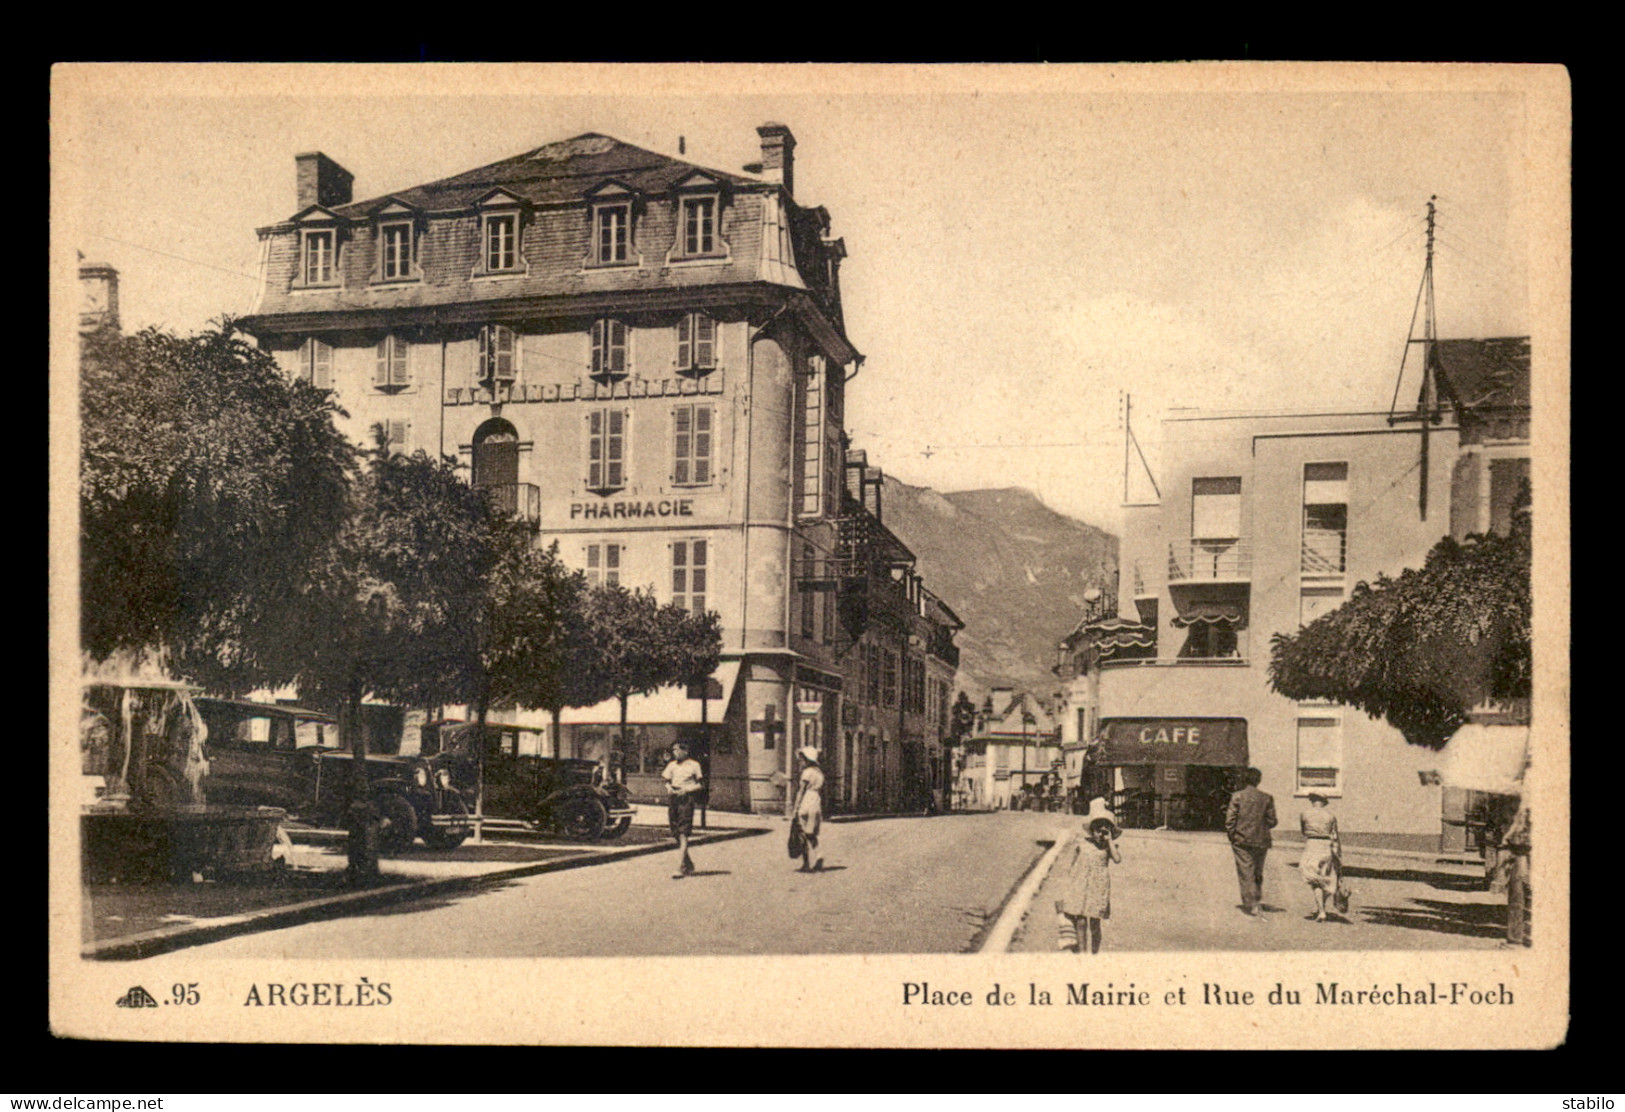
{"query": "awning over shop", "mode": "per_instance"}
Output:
(1198, 741)
(669, 704)
(1213, 613)
(1486, 759)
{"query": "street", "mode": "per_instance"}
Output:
(902, 885)
(893, 885)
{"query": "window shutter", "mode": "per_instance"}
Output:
(597, 347)
(380, 375)
(321, 366)
(617, 345)
(397, 434)
(615, 449)
(705, 341)
(504, 353)
(702, 444)
(685, 346)
(400, 371)
(595, 450)
(485, 352)
(682, 418)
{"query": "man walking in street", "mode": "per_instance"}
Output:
(684, 781)
(1248, 821)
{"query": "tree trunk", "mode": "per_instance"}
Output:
(625, 699)
(362, 820)
(558, 731)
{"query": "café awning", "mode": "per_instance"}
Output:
(1197, 741)
(667, 705)
(1486, 759)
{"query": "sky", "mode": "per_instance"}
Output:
(1026, 245)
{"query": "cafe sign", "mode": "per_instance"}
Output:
(1199, 741)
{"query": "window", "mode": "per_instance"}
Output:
(871, 666)
(812, 437)
(1320, 755)
(688, 574)
(612, 234)
(396, 434)
(608, 348)
(1316, 601)
(1216, 509)
(498, 354)
(316, 363)
(318, 255)
(606, 449)
(809, 598)
(1509, 479)
(1210, 640)
(501, 241)
(696, 344)
(698, 226)
(888, 678)
(391, 369)
(1325, 518)
(691, 445)
(604, 564)
(395, 250)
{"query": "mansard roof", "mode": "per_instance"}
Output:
(556, 172)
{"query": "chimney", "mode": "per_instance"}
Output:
(779, 155)
(321, 181)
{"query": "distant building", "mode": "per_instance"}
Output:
(98, 291)
(1267, 521)
(1015, 744)
(646, 360)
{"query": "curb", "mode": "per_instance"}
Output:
(1015, 908)
(165, 939)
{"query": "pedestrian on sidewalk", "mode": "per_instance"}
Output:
(1516, 842)
(684, 782)
(810, 810)
(1247, 822)
(1086, 882)
(1322, 864)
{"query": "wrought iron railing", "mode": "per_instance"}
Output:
(1325, 551)
(1209, 560)
(521, 501)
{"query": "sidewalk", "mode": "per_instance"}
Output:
(137, 921)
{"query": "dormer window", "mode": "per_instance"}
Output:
(498, 354)
(696, 344)
(612, 233)
(318, 252)
(501, 236)
(395, 250)
(697, 226)
(608, 349)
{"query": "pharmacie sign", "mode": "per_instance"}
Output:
(1201, 741)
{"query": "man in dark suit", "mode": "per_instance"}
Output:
(1247, 821)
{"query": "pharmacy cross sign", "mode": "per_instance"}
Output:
(769, 726)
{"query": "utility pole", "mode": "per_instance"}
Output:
(1427, 401)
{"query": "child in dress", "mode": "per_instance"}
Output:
(1084, 896)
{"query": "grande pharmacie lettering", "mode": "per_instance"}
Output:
(666, 507)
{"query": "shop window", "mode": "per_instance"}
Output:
(1320, 756)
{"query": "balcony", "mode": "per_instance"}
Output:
(1210, 562)
(520, 501)
(1325, 552)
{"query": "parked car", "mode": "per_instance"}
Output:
(560, 795)
(263, 754)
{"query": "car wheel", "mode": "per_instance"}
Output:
(620, 827)
(397, 823)
(582, 819)
(449, 837)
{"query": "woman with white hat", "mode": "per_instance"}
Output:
(1084, 892)
(810, 809)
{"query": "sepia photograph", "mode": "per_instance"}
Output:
(939, 551)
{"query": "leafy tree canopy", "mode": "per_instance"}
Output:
(536, 652)
(1424, 648)
(210, 486)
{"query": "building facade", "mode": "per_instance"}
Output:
(645, 359)
(1015, 747)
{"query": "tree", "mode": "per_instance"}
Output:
(404, 593)
(638, 646)
(1423, 649)
(211, 487)
(536, 651)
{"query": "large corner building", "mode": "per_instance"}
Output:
(646, 359)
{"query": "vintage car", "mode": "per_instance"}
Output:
(263, 754)
(561, 795)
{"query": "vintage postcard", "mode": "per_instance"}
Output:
(851, 556)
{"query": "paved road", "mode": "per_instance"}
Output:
(904, 885)
(1177, 892)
